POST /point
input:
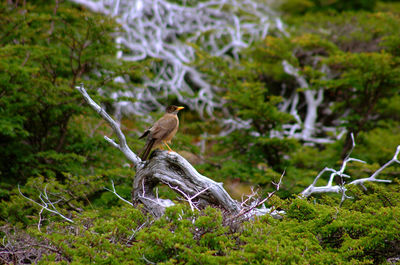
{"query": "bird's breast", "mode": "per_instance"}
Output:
(172, 134)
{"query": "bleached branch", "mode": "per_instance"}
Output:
(134, 231)
(174, 171)
(249, 210)
(340, 173)
(373, 178)
(45, 203)
(40, 219)
(167, 30)
(188, 198)
(116, 194)
(303, 129)
(122, 145)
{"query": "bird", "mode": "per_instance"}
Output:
(162, 131)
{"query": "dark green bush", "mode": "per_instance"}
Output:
(309, 234)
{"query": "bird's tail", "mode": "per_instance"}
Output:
(147, 149)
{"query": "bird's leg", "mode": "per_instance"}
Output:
(170, 150)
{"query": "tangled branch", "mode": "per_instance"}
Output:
(339, 174)
(45, 204)
(169, 32)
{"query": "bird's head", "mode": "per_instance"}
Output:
(173, 109)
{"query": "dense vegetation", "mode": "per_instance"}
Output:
(51, 141)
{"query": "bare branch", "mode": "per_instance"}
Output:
(340, 173)
(40, 219)
(122, 146)
(116, 194)
(134, 231)
(147, 261)
(278, 185)
(45, 205)
(188, 198)
(248, 211)
(303, 129)
(376, 173)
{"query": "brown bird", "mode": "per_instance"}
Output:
(162, 131)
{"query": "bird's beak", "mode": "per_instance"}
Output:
(179, 108)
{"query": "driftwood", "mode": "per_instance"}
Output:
(173, 170)
(167, 168)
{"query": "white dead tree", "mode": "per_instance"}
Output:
(167, 31)
(46, 204)
(340, 175)
(306, 126)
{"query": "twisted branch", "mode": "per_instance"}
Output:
(46, 204)
(340, 173)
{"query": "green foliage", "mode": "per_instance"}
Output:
(73, 194)
(350, 31)
(363, 231)
(298, 7)
(382, 140)
(301, 210)
(46, 50)
(52, 142)
(362, 90)
(365, 79)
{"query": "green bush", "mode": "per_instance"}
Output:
(365, 230)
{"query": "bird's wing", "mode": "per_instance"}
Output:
(164, 126)
(145, 133)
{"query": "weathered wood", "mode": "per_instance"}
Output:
(168, 168)
(173, 170)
